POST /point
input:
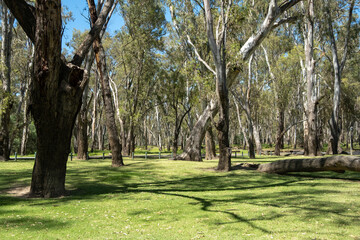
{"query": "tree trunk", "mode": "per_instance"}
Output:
(55, 101)
(257, 139)
(159, 140)
(280, 135)
(223, 131)
(114, 141)
(146, 134)
(56, 90)
(209, 144)
(311, 108)
(26, 118)
(246, 141)
(335, 125)
(94, 114)
(26, 122)
(192, 149)
(251, 139)
(218, 49)
(7, 21)
(82, 138)
(130, 140)
(334, 163)
(175, 144)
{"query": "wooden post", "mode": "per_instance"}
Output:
(15, 156)
(159, 155)
(132, 155)
(71, 155)
(145, 155)
(103, 156)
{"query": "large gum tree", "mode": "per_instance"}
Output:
(56, 89)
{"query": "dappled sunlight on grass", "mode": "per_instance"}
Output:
(165, 199)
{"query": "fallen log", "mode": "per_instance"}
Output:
(334, 163)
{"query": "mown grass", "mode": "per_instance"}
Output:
(164, 199)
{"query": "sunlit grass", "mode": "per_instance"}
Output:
(164, 199)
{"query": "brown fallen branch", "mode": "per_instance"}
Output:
(334, 163)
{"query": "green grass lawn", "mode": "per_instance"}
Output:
(164, 199)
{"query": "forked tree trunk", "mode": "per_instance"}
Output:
(55, 101)
(192, 149)
(56, 90)
(335, 163)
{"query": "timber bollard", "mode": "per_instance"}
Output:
(103, 156)
(87, 155)
(15, 156)
(242, 154)
(35, 155)
(145, 155)
(132, 155)
(159, 155)
(71, 155)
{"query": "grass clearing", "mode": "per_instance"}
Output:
(164, 199)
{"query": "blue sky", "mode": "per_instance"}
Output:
(80, 11)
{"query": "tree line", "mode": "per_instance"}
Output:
(177, 75)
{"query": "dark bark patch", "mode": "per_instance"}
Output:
(76, 76)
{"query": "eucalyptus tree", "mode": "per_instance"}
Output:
(284, 71)
(136, 51)
(100, 58)
(56, 90)
(335, 36)
(231, 69)
(7, 21)
(21, 65)
(312, 100)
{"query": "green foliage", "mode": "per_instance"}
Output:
(162, 199)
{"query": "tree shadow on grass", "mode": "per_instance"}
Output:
(347, 176)
(193, 188)
(286, 194)
(16, 218)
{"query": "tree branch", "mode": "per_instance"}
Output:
(199, 57)
(93, 34)
(25, 15)
(343, 60)
(274, 12)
